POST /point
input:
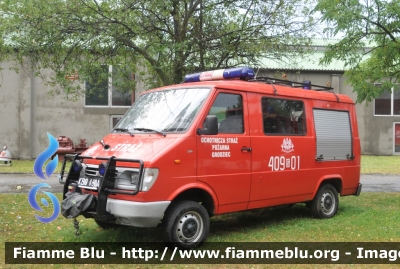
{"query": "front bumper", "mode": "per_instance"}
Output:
(106, 187)
(137, 214)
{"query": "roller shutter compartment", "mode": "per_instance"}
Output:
(333, 131)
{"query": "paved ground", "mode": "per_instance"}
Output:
(380, 183)
(22, 183)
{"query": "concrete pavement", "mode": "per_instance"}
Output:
(23, 183)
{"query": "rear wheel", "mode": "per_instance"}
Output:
(186, 224)
(325, 203)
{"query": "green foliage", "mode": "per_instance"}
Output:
(166, 38)
(370, 47)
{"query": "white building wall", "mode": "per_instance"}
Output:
(10, 112)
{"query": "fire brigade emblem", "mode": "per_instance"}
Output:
(287, 145)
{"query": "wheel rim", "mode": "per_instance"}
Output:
(190, 227)
(328, 202)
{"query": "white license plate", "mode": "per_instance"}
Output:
(89, 183)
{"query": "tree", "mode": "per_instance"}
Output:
(169, 37)
(370, 47)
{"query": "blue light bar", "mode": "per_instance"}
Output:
(230, 73)
(307, 85)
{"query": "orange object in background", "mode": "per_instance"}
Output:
(66, 146)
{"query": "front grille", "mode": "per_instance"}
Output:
(92, 171)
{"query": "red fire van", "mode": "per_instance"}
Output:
(221, 142)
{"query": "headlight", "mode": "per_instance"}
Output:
(129, 178)
(150, 176)
(134, 178)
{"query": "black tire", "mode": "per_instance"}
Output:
(106, 225)
(186, 224)
(325, 203)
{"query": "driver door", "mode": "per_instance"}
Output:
(224, 160)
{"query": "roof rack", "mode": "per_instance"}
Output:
(306, 85)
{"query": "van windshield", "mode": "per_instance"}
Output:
(164, 111)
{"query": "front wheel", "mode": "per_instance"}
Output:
(325, 203)
(186, 224)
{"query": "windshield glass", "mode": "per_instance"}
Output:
(166, 111)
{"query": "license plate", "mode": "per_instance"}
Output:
(89, 183)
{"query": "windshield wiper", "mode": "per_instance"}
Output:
(124, 130)
(149, 130)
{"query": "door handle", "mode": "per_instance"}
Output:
(245, 149)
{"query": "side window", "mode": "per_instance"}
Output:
(229, 111)
(282, 116)
(103, 85)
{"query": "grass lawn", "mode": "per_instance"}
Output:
(369, 165)
(24, 166)
(371, 217)
(380, 164)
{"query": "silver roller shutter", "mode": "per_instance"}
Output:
(334, 141)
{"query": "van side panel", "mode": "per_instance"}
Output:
(348, 169)
(284, 166)
(280, 175)
(350, 185)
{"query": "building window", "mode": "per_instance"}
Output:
(101, 91)
(114, 119)
(396, 139)
(388, 104)
(282, 116)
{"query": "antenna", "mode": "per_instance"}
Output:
(255, 77)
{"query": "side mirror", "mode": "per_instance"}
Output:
(211, 126)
